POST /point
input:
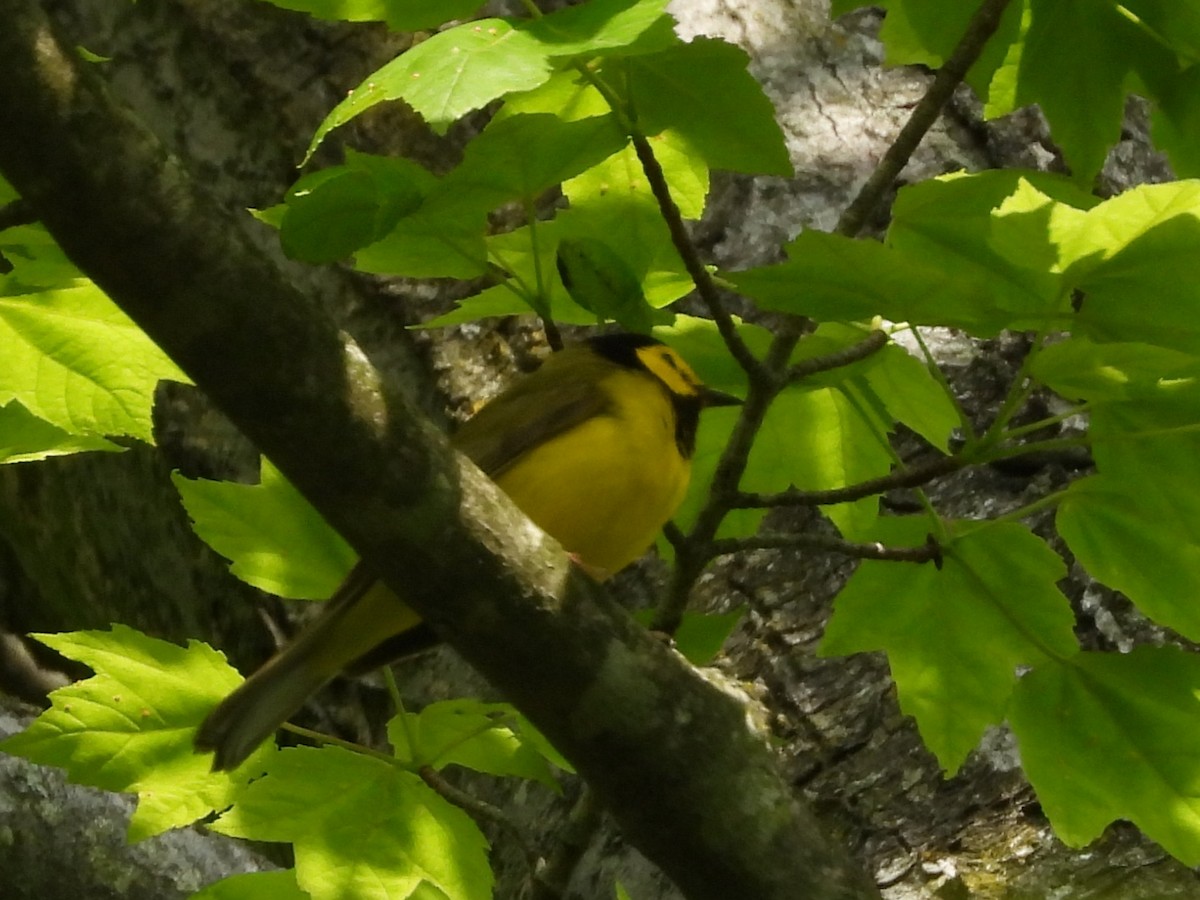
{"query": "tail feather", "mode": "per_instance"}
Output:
(361, 615)
(252, 713)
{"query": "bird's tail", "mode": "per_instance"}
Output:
(361, 615)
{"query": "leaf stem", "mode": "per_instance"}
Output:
(322, 738)
(1048, 422)
(479, 810)
(1024, 512)
(964, 421)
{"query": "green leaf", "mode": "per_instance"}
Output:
(701, 636)
(599, 25)
(275, 885)
(431, 243)
(37, 260)
(1079, 368)
(73, 358)
(566, 94)
(401, 15)
(130, 726)
(831, 278)
(813, 439)
(348, 207)
(1143, 501)
(274, 538)
(908, 392)
(612, 203)
(25, 437)
(1108, 736)
(521, 156)
(956, 636)
(7, 192)
(599, 280)
(361, 828)
(700, 344)
(1125, 258)
(886, 387)
(924, 32)
(535, 739)
(447, 76)
(467, 733)
(1176, 121)
(1078, 56)
(702, 91)
(947, 223)
(1116, 530)
(1033, 231)
(493, 303)
(619, 182)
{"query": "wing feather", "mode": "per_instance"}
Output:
(561, 394)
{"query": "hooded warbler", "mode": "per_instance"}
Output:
(595, 447)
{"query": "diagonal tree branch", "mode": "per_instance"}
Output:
(691, 784)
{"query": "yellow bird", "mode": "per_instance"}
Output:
(595, 447)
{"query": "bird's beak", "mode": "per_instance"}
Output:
(711, 397)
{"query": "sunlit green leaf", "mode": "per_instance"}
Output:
(276, 885)
(600, 25)
(362, 828)
(948, 223)
(130, 726)
(1128, 257)
(402, 15)
(24, 437)
(1108, 736)
(702, 91)
(467, 733)
(1136, 526)
(1118, 532)
(275, 540)
(955, 636)
(73, 358)
(1079, 368)
(449, 75)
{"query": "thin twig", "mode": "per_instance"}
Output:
(898, 478)
(873, 343)
(930, 551)
(692, 553)
(701, 277)
(981, 27)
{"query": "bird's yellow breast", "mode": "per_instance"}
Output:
(605, 487)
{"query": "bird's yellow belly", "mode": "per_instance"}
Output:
(604, 488)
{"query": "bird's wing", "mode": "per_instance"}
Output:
(525, 417)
